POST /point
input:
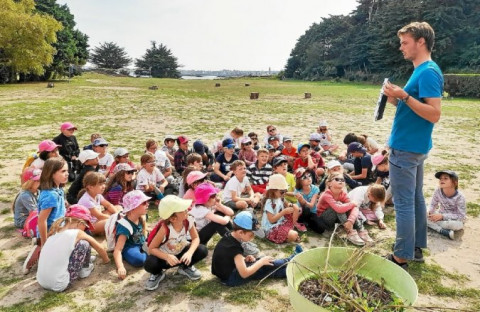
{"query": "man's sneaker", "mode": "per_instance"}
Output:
(154, 280)
(418, 255)
(365, 237)
(191, 272)
(448, 233)
(31, 260)
(85, 272)
(353, 238)
(250, 248)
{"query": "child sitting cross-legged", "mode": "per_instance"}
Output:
(210, 215)
(279, 216)
(170, 245)
(149, 179)
(446, 213)
(238, 193)
(229, 264)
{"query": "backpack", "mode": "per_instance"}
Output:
(30, 225)
(161, 223)
(111, 228)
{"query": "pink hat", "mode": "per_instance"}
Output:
(195, 176)
(47, 145)
(31, 174)
(67, 125)
(378, 158)
(124, 167)
(80, 212)
(203, 192)
(133, 199)
(246, 140)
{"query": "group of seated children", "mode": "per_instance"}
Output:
(292, 189)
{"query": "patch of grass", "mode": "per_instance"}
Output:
(125, 305)
(163, 298)
(248, 295)
(5, 211)
(48, 301)
(473, 209)
(211, 288)
(429, 281)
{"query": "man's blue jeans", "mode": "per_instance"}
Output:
(406, 182)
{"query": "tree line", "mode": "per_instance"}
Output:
(364, 44)
(39, 41)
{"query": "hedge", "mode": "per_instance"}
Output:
(462, 85)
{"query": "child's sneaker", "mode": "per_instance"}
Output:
(448, 233)
(353, 238)
(365, 237)
(154, 280)
(300, 227)
(85, 272)
(31, 260)
(92, 259)
(250, 248)
(191, 272)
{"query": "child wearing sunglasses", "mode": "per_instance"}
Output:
(307, 196)
(279, 216)
(334, 206)
(247, 154)
(105, 159)
(326, 138)
(120, 183)
(254, 137)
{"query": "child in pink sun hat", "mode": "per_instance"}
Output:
(131, 232)
(69, 148)
(210, 215)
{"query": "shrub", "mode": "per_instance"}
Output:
(462, 85)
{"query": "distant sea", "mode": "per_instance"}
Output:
(200, 77)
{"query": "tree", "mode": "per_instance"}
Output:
(110, 55)
(160, 61)
(365, 44)
(26, 38)
(72, 45)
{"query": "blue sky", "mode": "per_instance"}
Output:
(206, 34)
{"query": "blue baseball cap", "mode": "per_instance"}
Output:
(301, 145)
(199, 147)
(228, 143)
(356, 147)
(246, 220)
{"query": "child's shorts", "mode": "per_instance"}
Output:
(279, 233)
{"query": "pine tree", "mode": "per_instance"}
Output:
(160, 61)
(110, 55)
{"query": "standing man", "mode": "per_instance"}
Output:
(418, 109)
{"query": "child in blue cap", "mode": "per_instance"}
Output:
(228, 262)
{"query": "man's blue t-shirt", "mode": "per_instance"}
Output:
(410, 132)
(52, 198)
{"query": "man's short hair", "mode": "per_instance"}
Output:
(420, 30)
